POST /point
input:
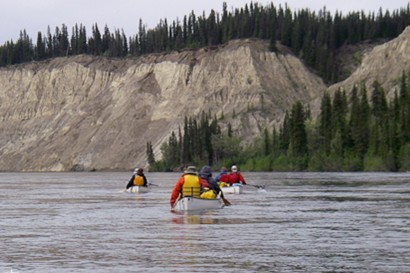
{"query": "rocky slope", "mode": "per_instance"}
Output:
(89, 113)
(384, 63)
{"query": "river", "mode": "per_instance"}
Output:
(301, 222)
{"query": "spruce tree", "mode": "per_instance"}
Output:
(150, 154)
(339, 117)
(298, 150)
(325, 123)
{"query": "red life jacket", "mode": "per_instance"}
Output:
(224, 178)
(230, 178)
(234, 178)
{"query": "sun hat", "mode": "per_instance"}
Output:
(190, 169)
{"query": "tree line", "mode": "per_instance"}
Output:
(314, 37)
(200, 142)
(352, 133)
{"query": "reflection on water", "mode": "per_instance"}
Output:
(300, 222)
(194, 218)
(206, 217)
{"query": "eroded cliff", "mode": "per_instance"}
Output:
(93, 113)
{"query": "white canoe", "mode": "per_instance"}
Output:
(189, 203)
(138, 189)
(235, 189)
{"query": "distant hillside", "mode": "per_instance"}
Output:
(384, 63)
(97, 113)
(349, 57)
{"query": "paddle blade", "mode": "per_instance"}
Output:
(226, 202)
(257, 186)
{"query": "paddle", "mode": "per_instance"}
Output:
(256, 186)
(226, 202)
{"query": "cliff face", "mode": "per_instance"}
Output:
(85, 113)
(384, 63)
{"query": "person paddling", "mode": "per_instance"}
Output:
(223, 171)
(189, 184)
(138, 179)
(206, 173)
(233, 177)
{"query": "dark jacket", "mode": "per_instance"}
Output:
(206, 173)
(131, 182)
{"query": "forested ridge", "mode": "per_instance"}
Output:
(352, 133)
(313, 36)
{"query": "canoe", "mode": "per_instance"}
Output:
(189, 203)
(138, 189)
(236, 188)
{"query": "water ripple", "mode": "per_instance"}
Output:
(303, 222)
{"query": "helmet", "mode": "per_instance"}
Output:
(234, 168)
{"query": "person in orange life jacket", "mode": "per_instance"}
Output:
(233, 177)
(206, 173)
(138, 179)
(222, 172)
(189, 184)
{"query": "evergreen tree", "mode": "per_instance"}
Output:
(49, 48)
(150, 154)
(379, 137)
(284, 134)
(186, 145)
(275, 143)
(95, 42)
(63, 41)
(74, 40)
(266, 142)
(339, 116)
(298, 150)
(325, 123)
(395, 130)
(106, 41)
(40, 50)
(404, 110)
(172, 153)
(359, 126)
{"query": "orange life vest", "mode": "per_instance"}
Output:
(138, 180)
(191, 186)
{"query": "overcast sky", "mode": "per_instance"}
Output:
(37, 15)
